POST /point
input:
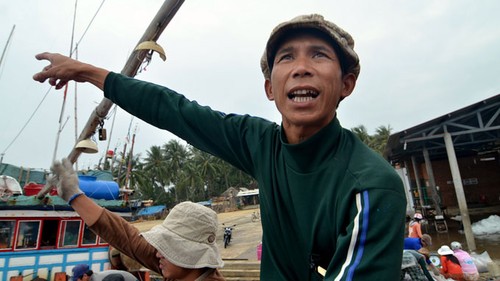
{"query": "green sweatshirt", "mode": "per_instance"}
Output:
(329, 201)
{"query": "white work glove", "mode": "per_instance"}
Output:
(66, 180)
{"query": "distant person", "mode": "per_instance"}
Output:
(415, 266)
(416, 243)
(468, 267)
(183, 247)
(450, 266)
(82, 272)
(414, 227)
(327, 200)
(427, 255)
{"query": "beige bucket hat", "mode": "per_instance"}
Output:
(343, 40)
(187, 237)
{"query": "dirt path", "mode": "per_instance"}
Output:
(246, 235)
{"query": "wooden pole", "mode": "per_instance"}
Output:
(153, 32)
(165, 14)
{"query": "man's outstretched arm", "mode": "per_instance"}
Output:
(63, 69)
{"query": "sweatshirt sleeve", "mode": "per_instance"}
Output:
(227, 136)
(372, 245)
(125, 238)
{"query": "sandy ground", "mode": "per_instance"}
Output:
(245, 239)
(246, 235)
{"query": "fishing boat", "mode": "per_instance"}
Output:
(45, 238)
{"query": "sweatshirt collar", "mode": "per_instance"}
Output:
(308, 155)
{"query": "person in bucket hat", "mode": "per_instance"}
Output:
(331, 207)
(183, 247)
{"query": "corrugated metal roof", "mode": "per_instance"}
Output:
(474, 129)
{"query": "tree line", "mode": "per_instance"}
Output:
(174, 172)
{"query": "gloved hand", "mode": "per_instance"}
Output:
(66, 180)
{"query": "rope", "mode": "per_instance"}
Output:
(38, 106)
(27, 122)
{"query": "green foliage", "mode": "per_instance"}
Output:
(175, 172)
(378, 141)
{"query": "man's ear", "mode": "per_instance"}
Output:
(269, 89)
(349, 82)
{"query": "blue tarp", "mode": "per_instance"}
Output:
(206, 203)
(153, 210)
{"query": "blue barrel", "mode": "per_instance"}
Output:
(93, 188)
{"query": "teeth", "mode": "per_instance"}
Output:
(303, 92)
(302, 99)
(303, 95)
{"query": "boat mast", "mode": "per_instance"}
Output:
(61, 125)
(1, 60)
(130, 157)
(6, 45)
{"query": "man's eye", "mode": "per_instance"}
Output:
(320, 55)
(284, 57)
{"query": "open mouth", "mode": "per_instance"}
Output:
(303, 95)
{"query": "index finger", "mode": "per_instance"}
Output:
(44, 56)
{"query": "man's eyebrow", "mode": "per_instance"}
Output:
(322, 48)
(284, 50)
(319, 47)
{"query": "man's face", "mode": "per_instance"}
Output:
(170, 270)
(307, 84)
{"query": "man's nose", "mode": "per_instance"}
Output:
(302, 67)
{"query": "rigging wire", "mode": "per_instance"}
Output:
(88, 26)
(27, 122)
(45, 96)
(63, 106)
(6, 49)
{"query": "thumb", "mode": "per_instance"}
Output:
(56, 167)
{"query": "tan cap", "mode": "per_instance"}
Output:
(347, 56)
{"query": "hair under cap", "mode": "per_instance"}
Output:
(427, 239)
(187, 237)
(343, 40)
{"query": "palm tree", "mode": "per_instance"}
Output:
(208, 168)
(176, 156)
(381, 137)
(155, 167)
(376, 142)
(362, 134)
(191, 183)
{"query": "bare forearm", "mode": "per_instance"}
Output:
(94, 75)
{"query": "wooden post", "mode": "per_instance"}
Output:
(459, 190)
(166, 12)
(432, 182)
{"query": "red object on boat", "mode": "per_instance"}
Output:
(33, 188)
(110, 154)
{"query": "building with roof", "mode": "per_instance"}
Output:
(451, 164)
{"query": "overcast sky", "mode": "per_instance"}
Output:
(419, 60)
